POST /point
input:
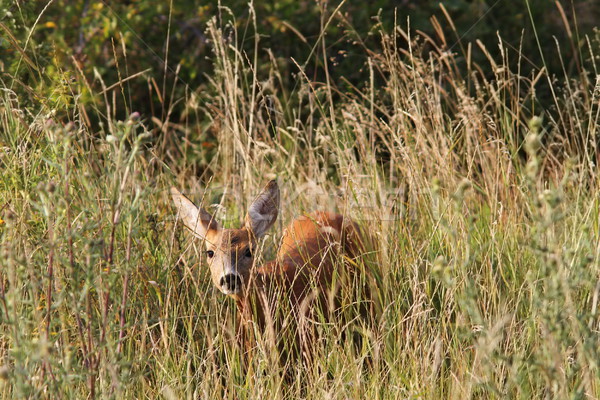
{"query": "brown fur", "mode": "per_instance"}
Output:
(302, 273)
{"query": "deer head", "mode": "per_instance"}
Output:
(230, 252)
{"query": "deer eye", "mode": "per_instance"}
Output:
(210, 253)
(248, 253)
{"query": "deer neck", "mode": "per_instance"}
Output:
(250, 302)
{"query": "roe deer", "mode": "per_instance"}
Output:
(304, 271)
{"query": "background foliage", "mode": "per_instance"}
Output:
(167, 43)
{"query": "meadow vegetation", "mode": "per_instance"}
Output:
(473, 164)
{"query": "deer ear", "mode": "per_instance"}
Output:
(198, 220)
(263, 211)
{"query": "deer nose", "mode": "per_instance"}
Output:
(231, 283)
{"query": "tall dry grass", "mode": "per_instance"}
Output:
(483, 206)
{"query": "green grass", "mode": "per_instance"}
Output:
(483, 207)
